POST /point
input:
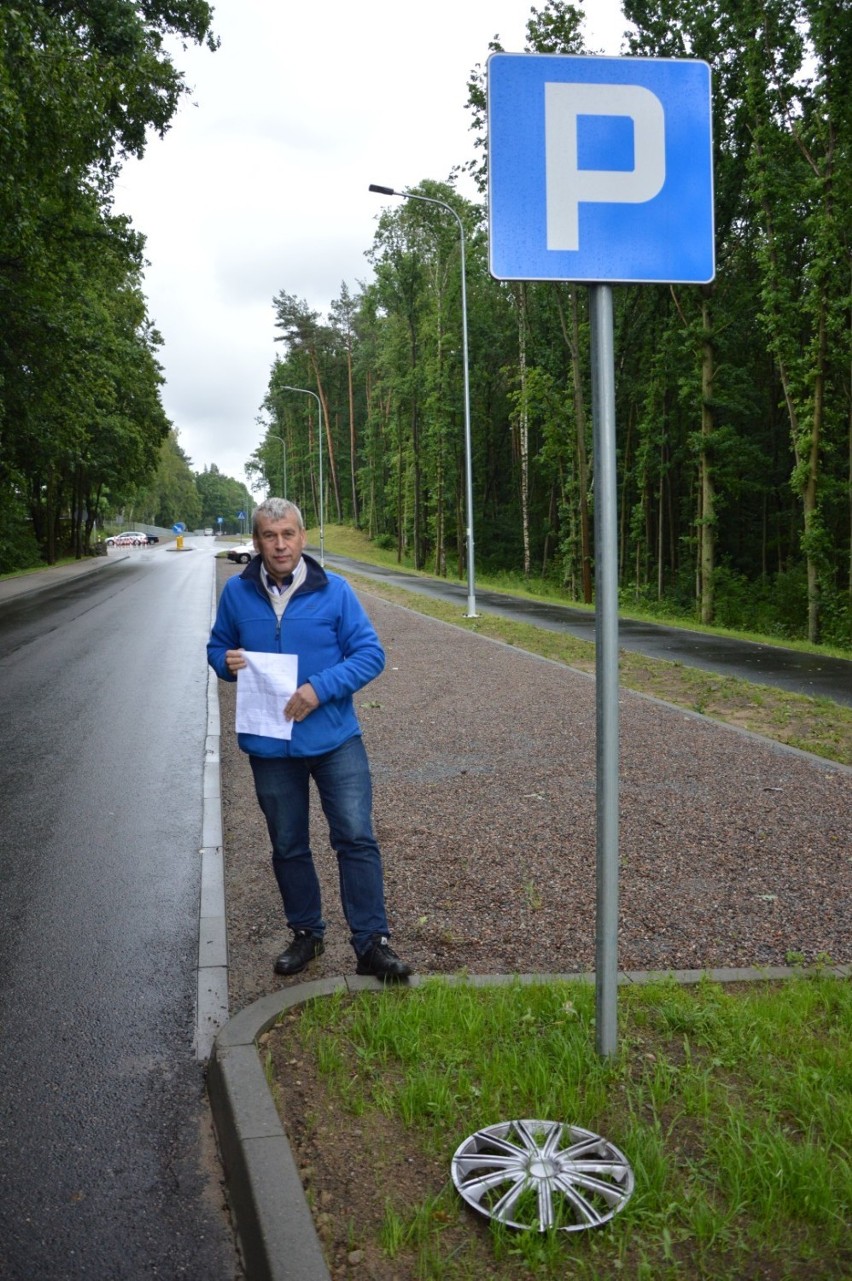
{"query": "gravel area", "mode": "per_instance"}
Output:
(733, 850)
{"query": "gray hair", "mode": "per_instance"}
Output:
(275, 509)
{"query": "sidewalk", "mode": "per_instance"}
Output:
(813, 674)
(40, 580)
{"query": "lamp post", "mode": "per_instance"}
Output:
(283, 444)
(468, 468)
(307, 392)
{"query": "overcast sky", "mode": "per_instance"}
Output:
(261, 183)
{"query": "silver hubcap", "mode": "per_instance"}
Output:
(542, 1174)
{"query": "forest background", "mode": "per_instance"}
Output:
(733, 400)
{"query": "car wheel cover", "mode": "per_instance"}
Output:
(542, 1175)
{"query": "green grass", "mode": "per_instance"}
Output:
(733, 1106)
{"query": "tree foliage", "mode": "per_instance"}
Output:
(733, 400)
(221, 499)
(172, 494)
(81, 422)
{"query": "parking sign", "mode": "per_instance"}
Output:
(600, 169)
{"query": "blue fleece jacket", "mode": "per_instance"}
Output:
(325, 625)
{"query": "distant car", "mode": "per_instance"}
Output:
(153, 538)
(208, 533)
(130, 538)
(241, 555)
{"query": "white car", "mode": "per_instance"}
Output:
(240, 555)
(130, 538)
(208, 533)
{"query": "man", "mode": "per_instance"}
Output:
(285, 602)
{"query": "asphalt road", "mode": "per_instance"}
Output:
(816, 675)
(107, 1165)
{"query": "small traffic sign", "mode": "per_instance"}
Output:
(178, 527)
(241, 515)
(600, 169)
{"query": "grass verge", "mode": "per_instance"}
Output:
(732, 1105)
(813, 725)
(38, 569)
(345, 540)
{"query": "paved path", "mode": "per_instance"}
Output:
(817, 675)
(41, 580)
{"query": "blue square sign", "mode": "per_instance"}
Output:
(600, 169)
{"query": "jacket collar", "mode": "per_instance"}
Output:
(315, 578)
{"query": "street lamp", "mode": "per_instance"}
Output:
(307, 392)
(283, 444)
(468, 468)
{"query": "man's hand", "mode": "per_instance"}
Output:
(235, 660)
(302, 703)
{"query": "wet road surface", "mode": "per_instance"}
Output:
(816, 675)
(107, 1164)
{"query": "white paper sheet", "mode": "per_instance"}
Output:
(263, 688)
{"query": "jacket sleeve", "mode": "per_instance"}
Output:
(225, 635)
(362, 655)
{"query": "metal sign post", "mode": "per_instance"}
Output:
(606, 668)
(600, 170)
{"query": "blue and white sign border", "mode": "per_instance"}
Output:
(561, 208)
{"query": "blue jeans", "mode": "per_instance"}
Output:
(342, 778)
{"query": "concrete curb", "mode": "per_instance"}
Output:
(274, 1222)
(211, 1002)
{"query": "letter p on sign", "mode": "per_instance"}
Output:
(569, 185)
(600, 169)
